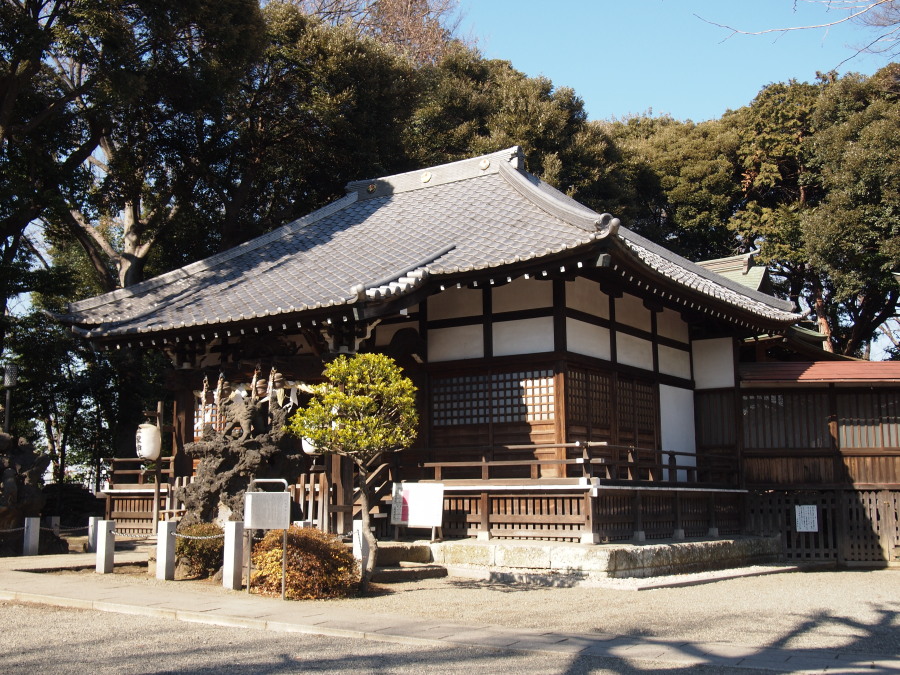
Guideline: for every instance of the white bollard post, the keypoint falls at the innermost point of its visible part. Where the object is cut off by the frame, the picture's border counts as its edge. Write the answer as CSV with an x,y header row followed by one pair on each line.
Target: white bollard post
x,y
165,550
92,534
53,524
32,542
106,546
360,545
232,568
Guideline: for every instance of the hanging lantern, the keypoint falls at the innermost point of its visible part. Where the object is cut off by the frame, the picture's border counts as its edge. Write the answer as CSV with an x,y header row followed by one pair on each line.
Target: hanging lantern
x,y
148,441
308,446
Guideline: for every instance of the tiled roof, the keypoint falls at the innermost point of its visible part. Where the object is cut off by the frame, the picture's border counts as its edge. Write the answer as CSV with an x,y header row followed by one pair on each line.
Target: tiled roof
x,y
708,283
385,238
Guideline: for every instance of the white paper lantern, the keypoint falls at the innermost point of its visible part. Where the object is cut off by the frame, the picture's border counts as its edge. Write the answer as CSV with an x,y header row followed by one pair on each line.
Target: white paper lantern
x,y
148,441
308,446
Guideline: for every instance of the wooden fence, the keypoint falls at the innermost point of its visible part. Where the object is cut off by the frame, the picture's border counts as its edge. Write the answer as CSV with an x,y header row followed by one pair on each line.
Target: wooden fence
x,y
600,514
854,527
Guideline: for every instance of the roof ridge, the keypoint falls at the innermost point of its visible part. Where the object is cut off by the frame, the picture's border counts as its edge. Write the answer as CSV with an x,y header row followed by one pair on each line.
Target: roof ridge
x,y
547,200
208,263
433,176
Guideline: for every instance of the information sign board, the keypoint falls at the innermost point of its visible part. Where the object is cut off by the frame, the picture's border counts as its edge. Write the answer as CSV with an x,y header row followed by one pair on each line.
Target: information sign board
x,y
807,518
267,510
418,504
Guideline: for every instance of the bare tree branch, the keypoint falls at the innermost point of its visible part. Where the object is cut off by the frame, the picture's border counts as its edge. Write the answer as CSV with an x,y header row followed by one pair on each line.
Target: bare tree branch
x,y
873,14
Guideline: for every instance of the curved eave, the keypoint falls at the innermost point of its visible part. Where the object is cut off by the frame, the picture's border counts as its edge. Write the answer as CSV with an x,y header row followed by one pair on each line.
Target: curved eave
x,y
696,291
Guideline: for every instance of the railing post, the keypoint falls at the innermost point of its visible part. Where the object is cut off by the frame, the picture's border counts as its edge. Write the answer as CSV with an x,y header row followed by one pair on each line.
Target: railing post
x,y
106,546
673,468
53,524
232,567
32,541
165,550
589,534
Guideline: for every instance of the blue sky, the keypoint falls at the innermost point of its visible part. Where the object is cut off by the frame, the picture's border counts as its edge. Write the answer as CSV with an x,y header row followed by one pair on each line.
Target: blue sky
x,y
631,56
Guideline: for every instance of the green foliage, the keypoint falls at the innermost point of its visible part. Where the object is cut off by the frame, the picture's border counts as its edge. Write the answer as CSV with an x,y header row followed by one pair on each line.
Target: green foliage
x,y
468,105
684,182
203,557
318,565
365,407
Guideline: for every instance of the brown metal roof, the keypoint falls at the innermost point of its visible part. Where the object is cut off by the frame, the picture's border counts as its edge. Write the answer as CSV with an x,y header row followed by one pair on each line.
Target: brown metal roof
x,y
786,372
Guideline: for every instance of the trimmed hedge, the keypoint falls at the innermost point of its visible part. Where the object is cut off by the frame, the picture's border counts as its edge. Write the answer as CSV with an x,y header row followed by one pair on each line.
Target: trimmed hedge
x,y
203,557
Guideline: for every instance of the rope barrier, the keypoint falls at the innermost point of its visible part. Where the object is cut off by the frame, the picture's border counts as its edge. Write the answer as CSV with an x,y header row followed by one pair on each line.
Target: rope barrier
x,y
13,529
178,535
127,534
73,530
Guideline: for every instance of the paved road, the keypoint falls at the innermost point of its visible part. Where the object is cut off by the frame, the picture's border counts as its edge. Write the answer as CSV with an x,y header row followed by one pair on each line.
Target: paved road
x,y
48,640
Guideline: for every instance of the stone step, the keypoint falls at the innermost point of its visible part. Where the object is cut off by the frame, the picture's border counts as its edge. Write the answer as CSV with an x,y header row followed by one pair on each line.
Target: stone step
x,y
407,571
392,553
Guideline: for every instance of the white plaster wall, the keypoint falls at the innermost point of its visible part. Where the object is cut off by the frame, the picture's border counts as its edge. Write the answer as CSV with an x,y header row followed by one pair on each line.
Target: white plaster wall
x,y
676,417
586,296
633,351
675,362
385,333
525,336
713,363
587,339
453,344
630,310
670,324
454,303
521,294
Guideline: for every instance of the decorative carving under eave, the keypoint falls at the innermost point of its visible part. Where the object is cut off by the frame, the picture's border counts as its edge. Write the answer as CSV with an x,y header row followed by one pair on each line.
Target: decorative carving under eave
x,y
346,336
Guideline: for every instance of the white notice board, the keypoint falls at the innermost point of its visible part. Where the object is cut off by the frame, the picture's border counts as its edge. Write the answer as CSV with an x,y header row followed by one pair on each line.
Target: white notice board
x,y
418,504
807,518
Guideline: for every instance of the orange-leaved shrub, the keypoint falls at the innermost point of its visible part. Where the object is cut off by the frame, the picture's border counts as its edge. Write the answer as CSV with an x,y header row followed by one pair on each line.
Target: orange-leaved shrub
x,y
318,565
203,557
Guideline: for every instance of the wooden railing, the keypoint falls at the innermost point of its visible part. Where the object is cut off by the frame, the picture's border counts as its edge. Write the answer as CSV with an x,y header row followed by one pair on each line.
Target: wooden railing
x,y
130,471
599,460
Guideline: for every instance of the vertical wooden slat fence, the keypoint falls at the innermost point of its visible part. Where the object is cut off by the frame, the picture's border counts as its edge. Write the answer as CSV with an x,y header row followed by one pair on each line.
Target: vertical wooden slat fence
x,y
855,527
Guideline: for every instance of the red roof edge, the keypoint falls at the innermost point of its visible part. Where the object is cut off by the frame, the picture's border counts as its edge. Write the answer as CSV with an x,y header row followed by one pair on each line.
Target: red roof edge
x,y
820,371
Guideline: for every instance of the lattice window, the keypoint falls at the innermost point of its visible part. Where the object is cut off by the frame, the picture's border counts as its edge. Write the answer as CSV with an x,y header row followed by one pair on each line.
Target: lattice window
x,y
600,387
578,402
589,398
461,400
501,398
523,396
637,409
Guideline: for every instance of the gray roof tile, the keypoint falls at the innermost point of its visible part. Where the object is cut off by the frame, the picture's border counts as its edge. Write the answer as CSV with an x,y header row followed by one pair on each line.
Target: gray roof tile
x,y
476,214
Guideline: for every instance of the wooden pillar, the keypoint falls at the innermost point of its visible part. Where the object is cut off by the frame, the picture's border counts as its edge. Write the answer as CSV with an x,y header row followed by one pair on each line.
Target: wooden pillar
x,y
484,530
713,527
678,532
589,534
639,534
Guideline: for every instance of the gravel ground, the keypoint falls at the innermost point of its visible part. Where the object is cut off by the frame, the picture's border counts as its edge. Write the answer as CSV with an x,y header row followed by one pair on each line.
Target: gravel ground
x,y
53,641
859,611
854,610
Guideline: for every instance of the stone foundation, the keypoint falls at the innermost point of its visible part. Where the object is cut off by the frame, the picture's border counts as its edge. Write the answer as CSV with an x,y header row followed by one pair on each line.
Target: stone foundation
x,y
512,560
